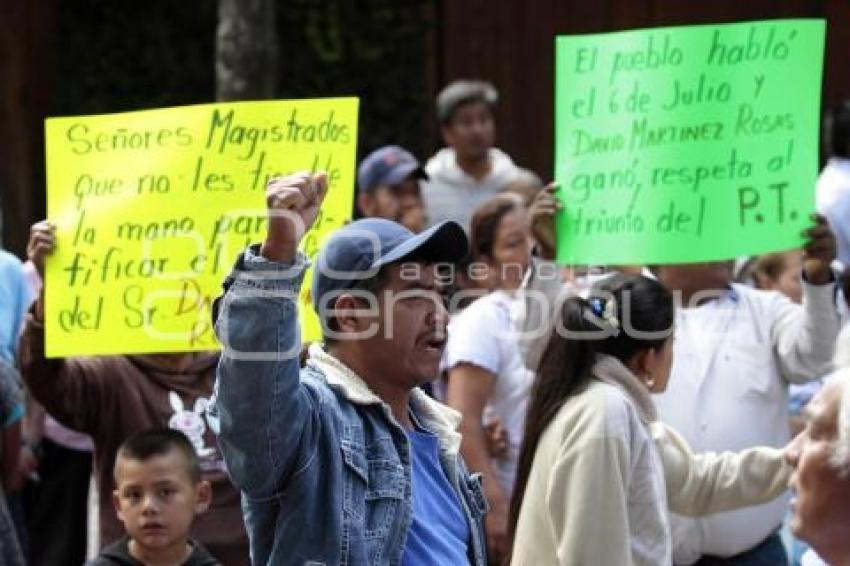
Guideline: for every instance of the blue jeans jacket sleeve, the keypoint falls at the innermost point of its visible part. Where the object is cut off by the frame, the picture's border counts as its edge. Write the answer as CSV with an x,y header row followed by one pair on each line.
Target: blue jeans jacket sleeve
x,y
263,410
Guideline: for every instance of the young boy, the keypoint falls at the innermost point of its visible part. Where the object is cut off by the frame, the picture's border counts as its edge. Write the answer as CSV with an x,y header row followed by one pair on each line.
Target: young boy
x,y
158,493
111,398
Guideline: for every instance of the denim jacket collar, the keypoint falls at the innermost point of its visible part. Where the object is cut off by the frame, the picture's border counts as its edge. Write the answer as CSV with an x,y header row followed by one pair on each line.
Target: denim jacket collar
x,y
436,417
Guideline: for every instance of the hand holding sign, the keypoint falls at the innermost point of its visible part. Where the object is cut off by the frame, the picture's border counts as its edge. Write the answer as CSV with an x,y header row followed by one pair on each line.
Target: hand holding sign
x,y
542,216
293,204
819,251
42,242
685,144
151,208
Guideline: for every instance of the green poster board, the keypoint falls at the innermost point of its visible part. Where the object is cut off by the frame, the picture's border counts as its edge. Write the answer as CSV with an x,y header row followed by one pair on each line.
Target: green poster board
x,y
686,144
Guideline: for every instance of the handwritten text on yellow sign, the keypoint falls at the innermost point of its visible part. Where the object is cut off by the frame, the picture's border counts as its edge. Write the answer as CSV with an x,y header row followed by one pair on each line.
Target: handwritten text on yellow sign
x,y
152,207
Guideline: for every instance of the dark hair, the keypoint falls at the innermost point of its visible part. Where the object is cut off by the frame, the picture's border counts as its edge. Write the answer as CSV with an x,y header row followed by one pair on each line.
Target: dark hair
x,y
157,442
462,92
836,131
565,366
485,223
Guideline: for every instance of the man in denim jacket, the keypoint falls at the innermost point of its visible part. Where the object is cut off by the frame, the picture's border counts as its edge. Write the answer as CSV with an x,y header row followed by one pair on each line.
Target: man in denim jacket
x,y
345,461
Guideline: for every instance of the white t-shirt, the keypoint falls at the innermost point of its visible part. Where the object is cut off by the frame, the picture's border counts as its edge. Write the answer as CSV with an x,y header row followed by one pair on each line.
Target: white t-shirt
x,y
484,335
452,194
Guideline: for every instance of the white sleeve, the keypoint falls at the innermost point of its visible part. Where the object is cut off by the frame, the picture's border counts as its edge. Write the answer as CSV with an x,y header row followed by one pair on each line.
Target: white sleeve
x,y
804,337
700,484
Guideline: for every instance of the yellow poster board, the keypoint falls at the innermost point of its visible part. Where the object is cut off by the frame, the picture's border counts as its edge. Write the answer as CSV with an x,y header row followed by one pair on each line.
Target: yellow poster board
x,y
152,208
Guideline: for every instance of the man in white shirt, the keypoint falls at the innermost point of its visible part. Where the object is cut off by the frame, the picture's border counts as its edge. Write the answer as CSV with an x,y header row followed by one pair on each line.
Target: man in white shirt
x,y
470,170
736,351
833,188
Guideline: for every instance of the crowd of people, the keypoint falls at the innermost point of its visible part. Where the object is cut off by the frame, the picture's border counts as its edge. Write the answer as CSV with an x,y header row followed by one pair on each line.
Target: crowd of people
x,y
470,402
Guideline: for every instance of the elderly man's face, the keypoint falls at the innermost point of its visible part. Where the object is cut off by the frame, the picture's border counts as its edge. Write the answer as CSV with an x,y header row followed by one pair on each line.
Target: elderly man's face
x,y
822,504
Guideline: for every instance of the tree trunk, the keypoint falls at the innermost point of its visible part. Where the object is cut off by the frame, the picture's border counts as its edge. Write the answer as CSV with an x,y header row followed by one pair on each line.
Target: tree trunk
x,y
246,50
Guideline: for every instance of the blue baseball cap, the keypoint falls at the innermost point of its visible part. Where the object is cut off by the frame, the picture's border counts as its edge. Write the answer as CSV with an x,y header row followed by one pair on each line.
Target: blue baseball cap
x,y
358,250
389,165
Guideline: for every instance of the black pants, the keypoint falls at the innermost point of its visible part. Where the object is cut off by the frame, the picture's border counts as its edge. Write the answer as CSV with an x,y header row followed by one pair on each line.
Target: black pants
x,y
57,507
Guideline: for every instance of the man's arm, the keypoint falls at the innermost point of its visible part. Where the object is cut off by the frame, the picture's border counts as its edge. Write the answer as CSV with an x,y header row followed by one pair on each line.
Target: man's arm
x,y
265,416
261,406
470,386
542,293
543,288
804,339
69,389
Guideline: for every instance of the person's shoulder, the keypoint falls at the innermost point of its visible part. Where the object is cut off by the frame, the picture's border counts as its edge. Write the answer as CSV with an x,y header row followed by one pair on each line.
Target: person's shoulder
x,y
439,162
485,306
9,257
476,317
744,290
321,393
764,301
116,554
505,300
200,556
832,191
763,297
600,409
501,159
10,264
598,415
836,169
109,367
618,408
313,377
484,320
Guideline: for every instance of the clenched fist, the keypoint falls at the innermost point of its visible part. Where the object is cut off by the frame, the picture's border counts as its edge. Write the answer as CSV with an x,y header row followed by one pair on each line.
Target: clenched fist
x,y
293,204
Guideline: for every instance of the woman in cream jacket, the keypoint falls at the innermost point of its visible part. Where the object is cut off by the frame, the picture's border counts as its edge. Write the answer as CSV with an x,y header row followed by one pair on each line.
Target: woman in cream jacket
x,y
597,471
